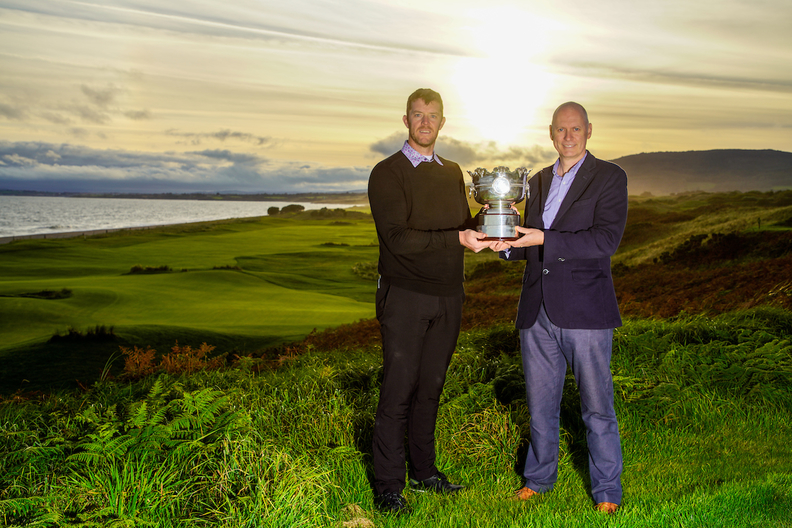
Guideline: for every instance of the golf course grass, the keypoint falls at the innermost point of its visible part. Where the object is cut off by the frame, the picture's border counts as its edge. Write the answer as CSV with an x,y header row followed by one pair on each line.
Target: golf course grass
x,y
278,432
244,284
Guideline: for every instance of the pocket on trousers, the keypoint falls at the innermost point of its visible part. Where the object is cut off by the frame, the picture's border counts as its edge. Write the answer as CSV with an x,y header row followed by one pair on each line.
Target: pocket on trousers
x,y
381,297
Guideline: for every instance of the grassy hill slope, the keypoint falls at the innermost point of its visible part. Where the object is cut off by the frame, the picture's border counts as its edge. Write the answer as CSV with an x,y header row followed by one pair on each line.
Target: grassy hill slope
x,y
702,403
281,436
248,285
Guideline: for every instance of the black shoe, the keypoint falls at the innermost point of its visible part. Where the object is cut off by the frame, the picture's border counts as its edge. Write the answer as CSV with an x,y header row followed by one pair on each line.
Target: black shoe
x,y
392,502
438,483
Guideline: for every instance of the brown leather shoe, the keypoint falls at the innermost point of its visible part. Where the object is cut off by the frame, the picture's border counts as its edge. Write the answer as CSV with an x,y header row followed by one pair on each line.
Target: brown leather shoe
x,y
524,494
607,507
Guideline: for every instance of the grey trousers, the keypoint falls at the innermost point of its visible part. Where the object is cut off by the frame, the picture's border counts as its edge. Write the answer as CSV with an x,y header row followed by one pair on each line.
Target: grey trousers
x,y
546,351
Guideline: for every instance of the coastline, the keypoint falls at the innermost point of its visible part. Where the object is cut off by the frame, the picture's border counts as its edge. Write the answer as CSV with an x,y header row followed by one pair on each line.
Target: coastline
x,y
350,197
95,232
74,221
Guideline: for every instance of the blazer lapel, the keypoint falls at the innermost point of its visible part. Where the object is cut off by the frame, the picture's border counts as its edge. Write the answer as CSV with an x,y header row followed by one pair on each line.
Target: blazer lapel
x,y
546,178
543,180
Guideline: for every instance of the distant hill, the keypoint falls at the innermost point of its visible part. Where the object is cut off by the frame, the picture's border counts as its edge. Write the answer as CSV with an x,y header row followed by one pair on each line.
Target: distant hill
x,y
663,173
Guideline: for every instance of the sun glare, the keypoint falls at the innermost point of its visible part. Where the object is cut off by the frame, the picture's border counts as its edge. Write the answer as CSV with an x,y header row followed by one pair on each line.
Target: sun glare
x,y
503,87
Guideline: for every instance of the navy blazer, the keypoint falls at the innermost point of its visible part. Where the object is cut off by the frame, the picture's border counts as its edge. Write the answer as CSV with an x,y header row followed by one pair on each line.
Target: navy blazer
x,y
571,272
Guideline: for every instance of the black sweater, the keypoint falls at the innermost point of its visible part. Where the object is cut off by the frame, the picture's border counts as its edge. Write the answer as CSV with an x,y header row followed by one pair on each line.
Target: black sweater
x,y
419,212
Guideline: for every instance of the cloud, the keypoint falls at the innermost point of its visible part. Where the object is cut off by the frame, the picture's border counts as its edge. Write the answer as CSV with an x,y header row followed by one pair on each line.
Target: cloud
x,y
96,106
466,153
138,115
20,161
70,168
57,119
11,111
222,135
96,110
89,114
102,97
233,157
78,132
695,79
389,145
301,22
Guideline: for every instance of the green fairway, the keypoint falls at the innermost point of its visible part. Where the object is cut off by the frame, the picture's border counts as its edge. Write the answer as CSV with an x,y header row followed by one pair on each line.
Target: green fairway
x,y
249,282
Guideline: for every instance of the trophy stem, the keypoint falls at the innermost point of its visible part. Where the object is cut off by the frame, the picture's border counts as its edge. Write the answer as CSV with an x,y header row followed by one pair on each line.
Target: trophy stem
x,y
498,222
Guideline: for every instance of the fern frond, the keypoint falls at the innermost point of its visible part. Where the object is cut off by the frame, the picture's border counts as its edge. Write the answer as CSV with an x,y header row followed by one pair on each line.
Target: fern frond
x,y
28,511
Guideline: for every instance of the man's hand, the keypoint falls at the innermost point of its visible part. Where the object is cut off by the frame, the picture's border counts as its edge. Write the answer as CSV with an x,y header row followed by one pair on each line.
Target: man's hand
x,y
473,240
530,237
499,245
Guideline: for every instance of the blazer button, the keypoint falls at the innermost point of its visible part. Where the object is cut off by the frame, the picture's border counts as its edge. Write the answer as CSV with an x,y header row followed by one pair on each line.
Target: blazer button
x,y
561,259
545,271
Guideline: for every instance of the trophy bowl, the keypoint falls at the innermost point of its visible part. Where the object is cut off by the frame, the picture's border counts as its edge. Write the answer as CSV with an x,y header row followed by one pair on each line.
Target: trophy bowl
x,y
498,190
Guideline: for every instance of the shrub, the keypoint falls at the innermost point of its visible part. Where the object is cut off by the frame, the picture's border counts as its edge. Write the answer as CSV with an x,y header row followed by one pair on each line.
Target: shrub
x,y
272,211
64,293
293,208
334,244
99,333
185,359
366,270
138,362
137,268
324,212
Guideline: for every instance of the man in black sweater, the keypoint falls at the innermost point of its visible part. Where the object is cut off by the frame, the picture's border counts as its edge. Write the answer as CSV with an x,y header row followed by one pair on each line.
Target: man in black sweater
x,y
423,221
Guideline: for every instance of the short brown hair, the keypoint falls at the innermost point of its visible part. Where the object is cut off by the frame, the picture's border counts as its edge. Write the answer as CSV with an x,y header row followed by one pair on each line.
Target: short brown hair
x,y
427,95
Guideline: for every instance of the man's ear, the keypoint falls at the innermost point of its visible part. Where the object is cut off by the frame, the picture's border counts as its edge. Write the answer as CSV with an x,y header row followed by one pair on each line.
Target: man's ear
x,y
406,121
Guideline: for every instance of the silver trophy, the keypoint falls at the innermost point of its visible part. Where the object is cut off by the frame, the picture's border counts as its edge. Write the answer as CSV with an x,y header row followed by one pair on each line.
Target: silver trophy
x,y
499,189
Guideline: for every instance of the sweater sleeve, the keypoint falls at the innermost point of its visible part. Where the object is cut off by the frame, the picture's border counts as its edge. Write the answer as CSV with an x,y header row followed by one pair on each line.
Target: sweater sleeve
x,y
390,208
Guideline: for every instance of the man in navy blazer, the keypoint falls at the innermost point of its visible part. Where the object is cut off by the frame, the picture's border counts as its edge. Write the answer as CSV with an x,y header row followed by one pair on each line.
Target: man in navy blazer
x,y
574,220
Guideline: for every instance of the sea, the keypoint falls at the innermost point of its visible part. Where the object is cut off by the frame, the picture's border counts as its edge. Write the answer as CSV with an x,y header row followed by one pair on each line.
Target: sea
x,y
24,216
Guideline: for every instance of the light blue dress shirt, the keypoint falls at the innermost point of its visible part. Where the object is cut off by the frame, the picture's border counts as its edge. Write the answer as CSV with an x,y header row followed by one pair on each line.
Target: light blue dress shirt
x,y
558,190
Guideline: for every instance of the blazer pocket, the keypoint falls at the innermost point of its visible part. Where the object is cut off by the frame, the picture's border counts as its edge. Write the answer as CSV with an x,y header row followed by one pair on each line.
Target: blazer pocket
x,y
587,275
581,203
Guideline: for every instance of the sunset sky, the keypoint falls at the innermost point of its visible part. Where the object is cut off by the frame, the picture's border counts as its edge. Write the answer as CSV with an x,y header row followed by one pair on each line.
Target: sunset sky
x,y
307,95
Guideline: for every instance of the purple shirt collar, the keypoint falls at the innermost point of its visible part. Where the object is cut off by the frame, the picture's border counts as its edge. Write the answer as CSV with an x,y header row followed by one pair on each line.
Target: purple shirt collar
x,y
416,158
571,172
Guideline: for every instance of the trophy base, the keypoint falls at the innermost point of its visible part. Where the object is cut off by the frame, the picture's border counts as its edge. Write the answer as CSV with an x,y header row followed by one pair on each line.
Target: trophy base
x,y
499,226
500,239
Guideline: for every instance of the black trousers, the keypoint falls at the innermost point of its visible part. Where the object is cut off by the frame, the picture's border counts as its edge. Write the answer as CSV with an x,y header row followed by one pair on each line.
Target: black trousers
x,y
419,335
